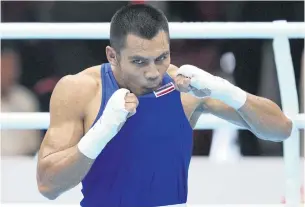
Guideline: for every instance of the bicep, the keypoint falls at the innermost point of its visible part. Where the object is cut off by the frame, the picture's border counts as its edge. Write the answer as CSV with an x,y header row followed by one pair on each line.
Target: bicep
x,y
66,121
61,136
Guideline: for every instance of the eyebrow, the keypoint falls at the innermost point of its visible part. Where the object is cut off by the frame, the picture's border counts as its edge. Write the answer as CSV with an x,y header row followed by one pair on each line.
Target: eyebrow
x,y
144,58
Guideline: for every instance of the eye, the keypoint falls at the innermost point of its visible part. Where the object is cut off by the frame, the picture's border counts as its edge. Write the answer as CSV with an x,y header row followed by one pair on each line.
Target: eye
x,y
161,58
138,62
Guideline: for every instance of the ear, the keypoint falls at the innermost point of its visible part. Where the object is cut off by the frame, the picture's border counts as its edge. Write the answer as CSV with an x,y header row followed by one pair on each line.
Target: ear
x,y
111,56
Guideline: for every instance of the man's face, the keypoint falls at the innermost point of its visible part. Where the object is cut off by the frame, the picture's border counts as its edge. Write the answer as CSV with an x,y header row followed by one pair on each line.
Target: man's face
x,y
143,62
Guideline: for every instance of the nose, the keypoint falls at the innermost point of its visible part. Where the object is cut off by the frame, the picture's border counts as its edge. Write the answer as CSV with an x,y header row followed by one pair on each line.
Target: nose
x,y
152,74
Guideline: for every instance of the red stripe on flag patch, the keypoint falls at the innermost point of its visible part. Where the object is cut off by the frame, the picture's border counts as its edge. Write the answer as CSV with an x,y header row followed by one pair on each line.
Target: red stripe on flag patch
x,y
167,88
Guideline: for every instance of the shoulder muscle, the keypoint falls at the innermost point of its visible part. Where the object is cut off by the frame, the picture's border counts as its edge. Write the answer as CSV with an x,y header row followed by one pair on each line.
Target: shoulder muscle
x,y
67,106
71,94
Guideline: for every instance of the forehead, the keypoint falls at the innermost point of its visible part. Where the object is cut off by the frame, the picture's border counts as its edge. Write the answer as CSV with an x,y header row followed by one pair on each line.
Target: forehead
x,y
138,46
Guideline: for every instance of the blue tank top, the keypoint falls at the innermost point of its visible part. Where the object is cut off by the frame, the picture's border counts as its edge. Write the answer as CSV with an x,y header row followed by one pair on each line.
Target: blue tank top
x,y
146,164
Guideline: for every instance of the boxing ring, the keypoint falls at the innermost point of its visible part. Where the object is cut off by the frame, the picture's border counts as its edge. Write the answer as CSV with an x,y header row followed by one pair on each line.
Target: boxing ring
x,y
279,31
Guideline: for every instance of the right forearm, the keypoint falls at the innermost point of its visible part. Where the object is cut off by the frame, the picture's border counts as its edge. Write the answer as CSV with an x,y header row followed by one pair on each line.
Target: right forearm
x,y
63,170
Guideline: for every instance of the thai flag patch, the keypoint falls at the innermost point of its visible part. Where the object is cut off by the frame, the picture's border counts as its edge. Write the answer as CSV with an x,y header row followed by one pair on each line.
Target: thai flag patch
x,y
167,88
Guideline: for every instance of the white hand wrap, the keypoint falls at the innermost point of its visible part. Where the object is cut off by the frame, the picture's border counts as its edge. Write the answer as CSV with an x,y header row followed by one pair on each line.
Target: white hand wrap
x,y
108,125
213,86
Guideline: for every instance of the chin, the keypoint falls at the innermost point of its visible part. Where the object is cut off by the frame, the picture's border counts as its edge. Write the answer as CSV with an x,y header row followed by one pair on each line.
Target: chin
x,y
154,87
150,89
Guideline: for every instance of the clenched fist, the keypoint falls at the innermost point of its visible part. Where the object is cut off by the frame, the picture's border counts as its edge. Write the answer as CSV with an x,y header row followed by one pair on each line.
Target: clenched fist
x,y
200,83
183,84
131,103
120,106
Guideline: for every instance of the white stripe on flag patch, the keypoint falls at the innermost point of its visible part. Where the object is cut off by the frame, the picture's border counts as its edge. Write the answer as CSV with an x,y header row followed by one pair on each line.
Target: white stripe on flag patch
x,y
167,88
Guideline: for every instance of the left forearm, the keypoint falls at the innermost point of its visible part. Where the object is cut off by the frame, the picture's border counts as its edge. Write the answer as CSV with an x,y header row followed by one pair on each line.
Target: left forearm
x,y
260,115
265,119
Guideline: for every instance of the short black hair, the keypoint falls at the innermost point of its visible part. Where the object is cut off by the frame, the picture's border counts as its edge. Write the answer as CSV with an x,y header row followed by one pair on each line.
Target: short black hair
x,y
141,20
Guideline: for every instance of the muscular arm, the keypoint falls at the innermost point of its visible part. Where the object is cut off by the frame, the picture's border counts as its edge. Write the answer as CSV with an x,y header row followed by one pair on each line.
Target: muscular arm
x,y
60,164
260,115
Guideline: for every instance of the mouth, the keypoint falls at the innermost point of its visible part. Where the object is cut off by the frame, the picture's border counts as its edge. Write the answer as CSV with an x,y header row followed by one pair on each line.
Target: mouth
x,y
154,85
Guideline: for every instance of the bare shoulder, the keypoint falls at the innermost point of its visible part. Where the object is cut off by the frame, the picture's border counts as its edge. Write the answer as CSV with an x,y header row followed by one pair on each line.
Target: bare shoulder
x,y
80,84
68,104
93,73
75,90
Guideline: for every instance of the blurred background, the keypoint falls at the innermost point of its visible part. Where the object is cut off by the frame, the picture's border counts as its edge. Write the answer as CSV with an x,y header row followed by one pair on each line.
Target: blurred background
x,y
30,69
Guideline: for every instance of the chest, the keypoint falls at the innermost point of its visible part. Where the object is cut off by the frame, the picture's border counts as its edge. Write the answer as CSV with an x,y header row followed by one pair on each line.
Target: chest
x,y
188,102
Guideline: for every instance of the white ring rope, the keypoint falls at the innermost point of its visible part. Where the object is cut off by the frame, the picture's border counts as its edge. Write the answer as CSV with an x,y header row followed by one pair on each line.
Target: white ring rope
x,y
42,120
185,30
